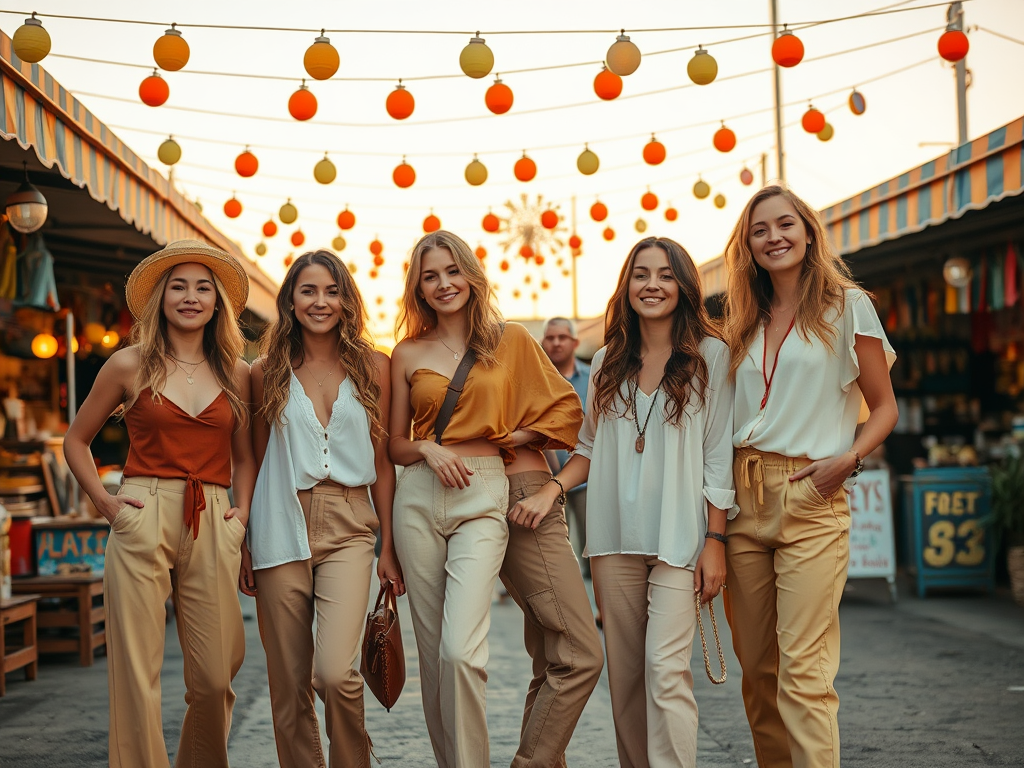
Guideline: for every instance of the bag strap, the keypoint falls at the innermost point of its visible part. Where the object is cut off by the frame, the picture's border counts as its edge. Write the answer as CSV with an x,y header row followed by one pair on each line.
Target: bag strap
x,y
444,415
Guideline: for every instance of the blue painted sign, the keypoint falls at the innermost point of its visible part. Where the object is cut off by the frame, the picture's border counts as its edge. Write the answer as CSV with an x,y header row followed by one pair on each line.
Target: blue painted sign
x,y
64,550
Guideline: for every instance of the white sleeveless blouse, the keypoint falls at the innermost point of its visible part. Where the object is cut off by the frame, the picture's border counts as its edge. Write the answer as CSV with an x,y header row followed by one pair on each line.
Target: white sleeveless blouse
x,y
300,454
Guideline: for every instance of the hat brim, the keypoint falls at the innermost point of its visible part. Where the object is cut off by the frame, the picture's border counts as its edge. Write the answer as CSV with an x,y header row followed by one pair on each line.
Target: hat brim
x,y
150,270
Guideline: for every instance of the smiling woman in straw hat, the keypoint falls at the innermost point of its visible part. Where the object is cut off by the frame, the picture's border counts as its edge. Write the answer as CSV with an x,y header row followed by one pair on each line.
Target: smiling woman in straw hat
x,y
186,391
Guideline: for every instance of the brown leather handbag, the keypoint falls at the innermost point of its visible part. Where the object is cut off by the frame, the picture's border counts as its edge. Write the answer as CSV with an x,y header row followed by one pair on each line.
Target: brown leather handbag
x,y
383,662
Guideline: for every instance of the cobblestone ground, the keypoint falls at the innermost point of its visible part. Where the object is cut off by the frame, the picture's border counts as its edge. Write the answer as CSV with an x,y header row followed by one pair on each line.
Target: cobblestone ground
x,y
936,683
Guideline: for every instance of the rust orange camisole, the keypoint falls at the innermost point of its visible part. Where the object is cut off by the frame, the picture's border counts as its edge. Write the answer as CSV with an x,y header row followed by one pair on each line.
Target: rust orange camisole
x,y
168,443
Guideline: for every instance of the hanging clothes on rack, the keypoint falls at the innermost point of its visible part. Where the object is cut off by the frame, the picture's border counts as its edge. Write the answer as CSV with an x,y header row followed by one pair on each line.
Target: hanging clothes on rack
x,y
37,286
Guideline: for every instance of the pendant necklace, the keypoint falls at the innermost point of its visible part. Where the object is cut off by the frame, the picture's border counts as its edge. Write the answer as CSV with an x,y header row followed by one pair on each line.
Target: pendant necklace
x,y
641,432
325,378
438,336
188,374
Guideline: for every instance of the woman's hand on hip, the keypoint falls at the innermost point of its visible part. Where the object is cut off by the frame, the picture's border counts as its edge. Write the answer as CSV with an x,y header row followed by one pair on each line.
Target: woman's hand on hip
x,y
709,573
110,506
246,575
827,474
446,464
389,569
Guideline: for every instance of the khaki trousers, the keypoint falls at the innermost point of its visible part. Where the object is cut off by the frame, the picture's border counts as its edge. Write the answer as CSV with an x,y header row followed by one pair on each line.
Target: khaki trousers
x,y
787,555
576,508
335,584
451,542
647,607
541,574
151,553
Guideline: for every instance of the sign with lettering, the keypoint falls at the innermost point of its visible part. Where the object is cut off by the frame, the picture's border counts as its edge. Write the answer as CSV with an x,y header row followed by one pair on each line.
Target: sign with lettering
x,y
68,550
872,547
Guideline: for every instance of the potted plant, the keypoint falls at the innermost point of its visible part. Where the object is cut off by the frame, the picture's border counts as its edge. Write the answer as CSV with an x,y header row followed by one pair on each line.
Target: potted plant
x,y
1007,519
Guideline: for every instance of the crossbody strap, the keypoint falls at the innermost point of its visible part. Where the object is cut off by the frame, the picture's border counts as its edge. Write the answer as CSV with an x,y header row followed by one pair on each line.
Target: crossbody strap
x,y
444,415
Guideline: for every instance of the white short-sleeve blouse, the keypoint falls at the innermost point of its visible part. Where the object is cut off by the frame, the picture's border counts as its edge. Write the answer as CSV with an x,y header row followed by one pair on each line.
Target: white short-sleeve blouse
x,y
655,503
814,401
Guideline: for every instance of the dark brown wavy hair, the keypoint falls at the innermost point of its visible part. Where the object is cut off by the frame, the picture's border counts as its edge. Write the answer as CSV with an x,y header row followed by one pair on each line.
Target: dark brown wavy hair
x,y
823,281
281,343
686,368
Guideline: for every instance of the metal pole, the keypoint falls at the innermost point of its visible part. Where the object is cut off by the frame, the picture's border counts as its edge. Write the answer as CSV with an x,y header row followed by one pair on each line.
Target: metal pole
x,y
764,169
955,17
777,74
72,395
575,297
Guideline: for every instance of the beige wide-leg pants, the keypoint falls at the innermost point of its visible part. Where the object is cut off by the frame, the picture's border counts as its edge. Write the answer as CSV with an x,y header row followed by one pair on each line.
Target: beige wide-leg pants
x,y
451,542
787,555
335,584
647,607
151,552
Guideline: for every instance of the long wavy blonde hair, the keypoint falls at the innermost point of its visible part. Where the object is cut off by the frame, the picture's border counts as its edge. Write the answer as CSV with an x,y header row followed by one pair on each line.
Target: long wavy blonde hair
x,y
223,345
281,343
823,282
417,319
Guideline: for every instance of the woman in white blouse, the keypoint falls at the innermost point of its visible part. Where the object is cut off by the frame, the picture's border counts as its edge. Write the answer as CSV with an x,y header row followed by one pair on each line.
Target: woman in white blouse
x,y
321,393
806,344
656,446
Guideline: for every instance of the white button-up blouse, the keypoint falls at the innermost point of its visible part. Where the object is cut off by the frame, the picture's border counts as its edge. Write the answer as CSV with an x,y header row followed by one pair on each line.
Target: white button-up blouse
x,y
655,503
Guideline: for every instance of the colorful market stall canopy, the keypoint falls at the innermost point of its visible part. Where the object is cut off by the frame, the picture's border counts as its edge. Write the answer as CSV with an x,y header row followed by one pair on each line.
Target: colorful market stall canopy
x,y
39,114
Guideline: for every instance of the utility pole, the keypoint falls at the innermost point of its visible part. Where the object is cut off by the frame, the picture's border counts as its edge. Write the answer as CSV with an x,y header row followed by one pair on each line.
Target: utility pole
x,y
572,256
777,74
764,169
955,19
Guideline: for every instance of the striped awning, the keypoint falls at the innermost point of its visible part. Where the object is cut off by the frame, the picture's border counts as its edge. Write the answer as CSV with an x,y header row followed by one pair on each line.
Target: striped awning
x,y
40,115
969,178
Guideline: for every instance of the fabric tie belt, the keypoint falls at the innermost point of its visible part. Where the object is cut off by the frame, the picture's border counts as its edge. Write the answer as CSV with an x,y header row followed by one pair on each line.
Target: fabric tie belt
x,y
753,464
195,502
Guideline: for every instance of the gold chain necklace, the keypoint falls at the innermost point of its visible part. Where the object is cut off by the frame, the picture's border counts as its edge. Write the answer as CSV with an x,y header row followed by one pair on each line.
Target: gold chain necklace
x,y
438,337
188,374
325,378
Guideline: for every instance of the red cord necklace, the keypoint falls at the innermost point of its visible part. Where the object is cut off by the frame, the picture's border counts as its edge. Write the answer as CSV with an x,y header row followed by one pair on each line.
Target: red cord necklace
x,y
764,361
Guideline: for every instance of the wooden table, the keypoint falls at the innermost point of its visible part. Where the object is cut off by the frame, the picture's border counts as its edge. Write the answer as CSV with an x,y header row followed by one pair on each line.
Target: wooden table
x,y
20,608
88,618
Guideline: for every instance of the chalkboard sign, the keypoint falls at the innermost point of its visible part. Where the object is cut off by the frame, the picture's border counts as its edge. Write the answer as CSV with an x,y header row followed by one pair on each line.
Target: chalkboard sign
x,y
872,546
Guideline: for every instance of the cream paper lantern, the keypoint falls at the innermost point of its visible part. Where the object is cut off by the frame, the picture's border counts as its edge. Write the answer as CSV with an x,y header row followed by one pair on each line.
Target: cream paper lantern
x,y
702,68
476,172
476,58
324,171
31,42
288,213
623,57
339,243
169,152
588,162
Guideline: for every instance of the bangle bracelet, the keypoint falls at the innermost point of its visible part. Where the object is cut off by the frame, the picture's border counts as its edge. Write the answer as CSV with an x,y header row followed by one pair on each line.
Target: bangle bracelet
x,y
716,536
561,491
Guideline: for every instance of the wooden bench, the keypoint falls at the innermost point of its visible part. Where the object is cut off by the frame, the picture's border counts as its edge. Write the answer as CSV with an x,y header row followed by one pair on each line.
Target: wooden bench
x,y
88,618
20,608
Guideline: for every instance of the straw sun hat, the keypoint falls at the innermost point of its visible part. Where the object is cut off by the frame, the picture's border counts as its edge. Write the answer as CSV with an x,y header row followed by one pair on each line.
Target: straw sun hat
x,y
147,274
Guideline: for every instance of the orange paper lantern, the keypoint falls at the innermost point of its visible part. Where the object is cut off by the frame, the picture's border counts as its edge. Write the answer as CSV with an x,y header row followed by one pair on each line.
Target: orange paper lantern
x,y
246,164
649,201
298,238
233,208
538,260
373,274
400,102
654,152
269,228
498,97
787,49
481,252
526,252
491,223
431,224
549,219
575,242
724,139
953,45
607,85
346,219
170,51
608,234
504,265
525,169
404,176
598,211
376,248
302,103
813,121
671,214
154,90
288,260
378,260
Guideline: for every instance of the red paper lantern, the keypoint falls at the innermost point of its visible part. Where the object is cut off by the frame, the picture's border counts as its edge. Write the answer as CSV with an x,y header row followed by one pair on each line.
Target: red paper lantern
x,y
504,265
346,219
607,85
575,242
608,234
233,208
376,248
526,252
302,103
671,214
787,49
246,164
549,219
400,102
813,121
953,45
298,238
538,260
431,224
649,201
724,139
525,169
154,90
498,97
269,229
491,223
481,252
746,177
378,260
404,175
654,152
598,211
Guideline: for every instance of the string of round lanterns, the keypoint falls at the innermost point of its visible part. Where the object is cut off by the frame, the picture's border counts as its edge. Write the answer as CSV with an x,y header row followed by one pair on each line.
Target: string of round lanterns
x,y
153,90
588,162
169,151
599,211
288,213
490,223
321,59
826,133
787,49
269,228
404,175
498,97
171,51
623,57
302,104
261,249
298,238
476,172
813,120
649,201
525,169
608,234
654,152
719,200
575,241
233,208
400,103
325,171
338,243
476,59
607,84
246,164
702,69
346,219
31,41
671,214
701,189
549,219
480,252
431,223
724,139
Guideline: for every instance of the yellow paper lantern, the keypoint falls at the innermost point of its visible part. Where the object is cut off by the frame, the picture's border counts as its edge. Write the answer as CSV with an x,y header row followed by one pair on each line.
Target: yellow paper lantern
x,y
171,52
588,162
623,57
339,243
702,68
476,59
261,249
476,172
44,345
31,42
288,213
826,133
324,171
701,189
641,226
110,339
321,60
94,332
169,152
719,200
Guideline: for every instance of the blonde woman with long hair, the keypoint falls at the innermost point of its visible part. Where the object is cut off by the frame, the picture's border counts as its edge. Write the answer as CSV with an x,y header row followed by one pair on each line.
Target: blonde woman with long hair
x,y
452,498
185,391
806,345
321,393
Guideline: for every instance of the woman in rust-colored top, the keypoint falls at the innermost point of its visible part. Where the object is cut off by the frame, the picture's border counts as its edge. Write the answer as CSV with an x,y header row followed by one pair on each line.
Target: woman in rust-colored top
x,y
185,389
452,499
